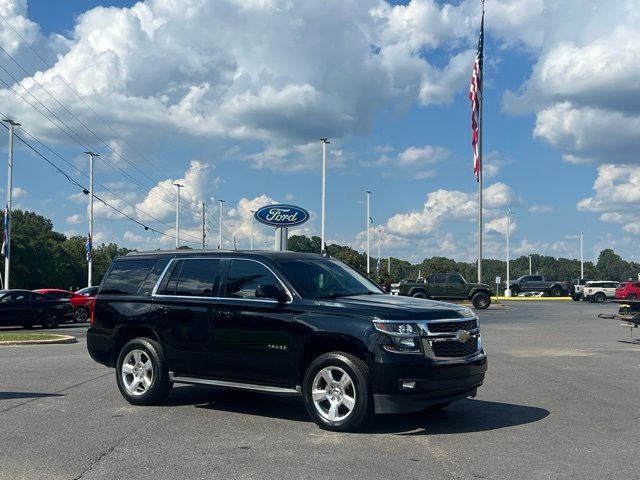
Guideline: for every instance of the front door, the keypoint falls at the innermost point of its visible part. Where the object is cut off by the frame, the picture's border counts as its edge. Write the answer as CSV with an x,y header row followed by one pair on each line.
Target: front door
x,y
253,338
456,287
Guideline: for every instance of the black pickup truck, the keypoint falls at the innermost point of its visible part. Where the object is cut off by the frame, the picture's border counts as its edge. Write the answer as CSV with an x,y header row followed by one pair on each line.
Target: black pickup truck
x,y
538,283
448,286
281,323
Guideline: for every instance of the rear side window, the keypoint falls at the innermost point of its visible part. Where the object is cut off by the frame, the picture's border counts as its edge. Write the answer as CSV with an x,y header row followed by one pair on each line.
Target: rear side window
x,y
245,276
197,277
439,278
127,276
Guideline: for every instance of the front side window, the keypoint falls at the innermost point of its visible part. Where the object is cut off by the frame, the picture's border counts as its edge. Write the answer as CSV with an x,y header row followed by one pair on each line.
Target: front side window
x,y
245,276
127,276
326,278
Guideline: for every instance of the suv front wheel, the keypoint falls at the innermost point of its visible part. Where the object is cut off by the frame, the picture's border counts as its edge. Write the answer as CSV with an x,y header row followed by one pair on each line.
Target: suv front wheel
x,y
141,372
336,392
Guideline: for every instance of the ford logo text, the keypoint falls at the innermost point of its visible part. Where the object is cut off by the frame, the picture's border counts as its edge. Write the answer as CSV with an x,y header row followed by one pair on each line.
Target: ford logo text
x,y
282,215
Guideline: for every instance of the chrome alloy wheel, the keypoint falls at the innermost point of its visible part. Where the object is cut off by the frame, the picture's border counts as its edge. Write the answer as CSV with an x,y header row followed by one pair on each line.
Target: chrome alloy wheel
x,y
80,315
333,393
137,372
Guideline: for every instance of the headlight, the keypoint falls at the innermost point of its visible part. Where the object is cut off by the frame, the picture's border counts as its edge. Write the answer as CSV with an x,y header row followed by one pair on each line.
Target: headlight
x,y
467,313
408,329
403,336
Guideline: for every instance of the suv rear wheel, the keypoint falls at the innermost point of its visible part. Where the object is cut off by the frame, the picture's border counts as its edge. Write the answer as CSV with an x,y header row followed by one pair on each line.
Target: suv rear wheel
x,y
556,291
141,372
632,296
336,392
419,295
599,297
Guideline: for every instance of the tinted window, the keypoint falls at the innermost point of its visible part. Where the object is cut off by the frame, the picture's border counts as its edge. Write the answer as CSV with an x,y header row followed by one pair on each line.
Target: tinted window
x,y
245,276
152,278
455,279
194,277
126,276
439,278
637,285
536,278
20,296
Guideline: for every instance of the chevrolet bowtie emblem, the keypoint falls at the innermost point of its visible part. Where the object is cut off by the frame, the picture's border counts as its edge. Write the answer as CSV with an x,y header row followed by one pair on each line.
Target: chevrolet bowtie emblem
x,y
463,336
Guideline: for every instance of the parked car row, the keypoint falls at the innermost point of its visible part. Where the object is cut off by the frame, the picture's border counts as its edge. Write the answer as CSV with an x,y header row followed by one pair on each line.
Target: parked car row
x,y
46,307
599,291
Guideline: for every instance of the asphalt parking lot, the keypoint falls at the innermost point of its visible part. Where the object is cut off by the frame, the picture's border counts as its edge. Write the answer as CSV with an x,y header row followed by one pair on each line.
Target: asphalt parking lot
x,y
561,400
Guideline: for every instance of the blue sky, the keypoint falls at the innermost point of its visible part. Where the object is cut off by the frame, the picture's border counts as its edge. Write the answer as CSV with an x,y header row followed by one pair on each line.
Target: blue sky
x,y
231,101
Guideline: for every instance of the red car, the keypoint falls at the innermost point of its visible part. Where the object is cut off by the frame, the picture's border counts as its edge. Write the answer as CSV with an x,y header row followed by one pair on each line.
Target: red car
x,y
82,304
628,290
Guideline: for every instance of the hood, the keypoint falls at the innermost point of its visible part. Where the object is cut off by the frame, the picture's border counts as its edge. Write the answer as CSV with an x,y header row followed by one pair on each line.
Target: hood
x,y
481,285
392,306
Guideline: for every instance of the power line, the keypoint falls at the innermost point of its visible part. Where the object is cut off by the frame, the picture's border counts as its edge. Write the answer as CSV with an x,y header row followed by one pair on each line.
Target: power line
x,y
97,197
86,103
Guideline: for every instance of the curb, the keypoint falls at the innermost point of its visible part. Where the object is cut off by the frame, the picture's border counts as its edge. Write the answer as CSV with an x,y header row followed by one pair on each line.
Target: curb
x,y
64,339
532,299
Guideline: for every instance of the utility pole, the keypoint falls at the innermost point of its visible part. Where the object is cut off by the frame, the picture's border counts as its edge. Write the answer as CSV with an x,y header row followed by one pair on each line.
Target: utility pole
x,y
378,265
507,292
204,235
178,186
6,246
325,142
92,155
581,255
389,266
368,229
220,202
252,215
529,264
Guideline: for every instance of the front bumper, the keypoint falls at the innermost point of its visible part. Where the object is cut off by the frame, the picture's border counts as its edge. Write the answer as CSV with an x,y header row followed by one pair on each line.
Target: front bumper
x,y
433,383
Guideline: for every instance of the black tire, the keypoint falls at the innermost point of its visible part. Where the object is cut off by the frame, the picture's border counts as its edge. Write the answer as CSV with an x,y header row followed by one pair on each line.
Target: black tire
x,y
437,407
28,326
514,291
419,295
159,384
359,388
599,297
481,301
591,300
632,296
80,315
576,297
555,291
51,319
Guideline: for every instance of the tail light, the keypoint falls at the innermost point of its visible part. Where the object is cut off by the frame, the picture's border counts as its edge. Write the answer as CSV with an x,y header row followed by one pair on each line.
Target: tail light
x,y
92,311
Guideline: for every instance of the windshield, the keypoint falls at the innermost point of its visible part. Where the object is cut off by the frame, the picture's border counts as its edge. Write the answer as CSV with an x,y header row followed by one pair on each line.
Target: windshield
x,y
327,278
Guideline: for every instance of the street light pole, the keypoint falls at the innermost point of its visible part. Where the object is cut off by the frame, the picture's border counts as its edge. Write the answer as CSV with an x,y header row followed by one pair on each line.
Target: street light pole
x,y
529,264
379,263
507,292
92,155
581,255
325,142
251,244
204,235
6,246
220,202
178,186
368,229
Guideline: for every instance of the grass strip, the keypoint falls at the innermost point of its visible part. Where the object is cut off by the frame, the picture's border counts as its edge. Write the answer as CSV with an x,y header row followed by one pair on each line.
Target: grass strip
x,y
20,337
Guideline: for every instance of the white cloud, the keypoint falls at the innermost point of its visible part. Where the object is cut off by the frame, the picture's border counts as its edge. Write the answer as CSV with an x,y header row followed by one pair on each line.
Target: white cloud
x,y
499,225
74,219
18,192
15,14
540,209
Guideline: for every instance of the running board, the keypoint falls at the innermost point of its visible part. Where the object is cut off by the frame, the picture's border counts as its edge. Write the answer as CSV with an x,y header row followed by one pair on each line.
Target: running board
x,y
234,385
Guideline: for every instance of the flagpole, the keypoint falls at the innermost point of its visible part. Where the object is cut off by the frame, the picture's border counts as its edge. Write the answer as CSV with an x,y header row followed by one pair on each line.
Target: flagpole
x,y
480,159
6,250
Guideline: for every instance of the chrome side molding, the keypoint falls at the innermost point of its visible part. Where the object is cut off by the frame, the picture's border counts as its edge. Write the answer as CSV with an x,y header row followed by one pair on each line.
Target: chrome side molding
x,y
234,385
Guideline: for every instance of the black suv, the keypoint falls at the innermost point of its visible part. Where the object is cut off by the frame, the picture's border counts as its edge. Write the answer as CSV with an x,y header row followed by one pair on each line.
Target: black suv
x,y
284,323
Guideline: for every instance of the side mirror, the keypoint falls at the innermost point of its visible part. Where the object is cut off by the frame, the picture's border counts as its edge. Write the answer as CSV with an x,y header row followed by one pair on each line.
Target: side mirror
x,y
271,291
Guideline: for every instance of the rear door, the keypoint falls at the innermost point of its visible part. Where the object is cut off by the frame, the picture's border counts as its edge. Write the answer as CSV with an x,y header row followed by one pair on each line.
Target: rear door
x,y
456,287
253,335
184,309
437,285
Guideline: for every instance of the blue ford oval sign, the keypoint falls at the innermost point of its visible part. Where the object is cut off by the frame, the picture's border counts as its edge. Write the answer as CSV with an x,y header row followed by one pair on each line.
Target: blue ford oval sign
x,y
282,215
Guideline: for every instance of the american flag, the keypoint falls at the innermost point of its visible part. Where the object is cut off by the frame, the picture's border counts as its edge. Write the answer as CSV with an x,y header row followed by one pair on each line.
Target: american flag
x,y
475,93
5,245
88,247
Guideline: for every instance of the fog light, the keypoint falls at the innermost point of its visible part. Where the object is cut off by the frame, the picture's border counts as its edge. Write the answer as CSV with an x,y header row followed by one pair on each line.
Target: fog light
x,y
408,384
